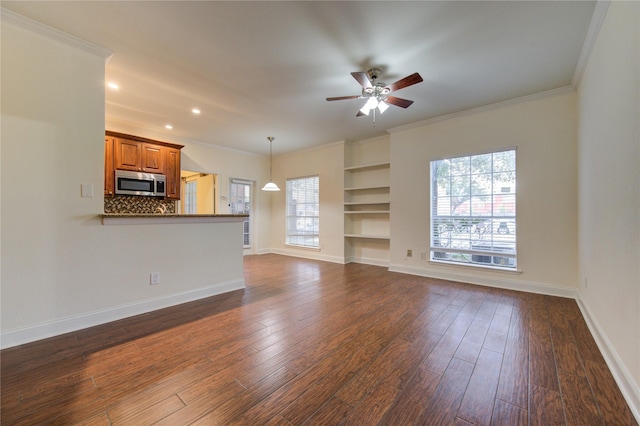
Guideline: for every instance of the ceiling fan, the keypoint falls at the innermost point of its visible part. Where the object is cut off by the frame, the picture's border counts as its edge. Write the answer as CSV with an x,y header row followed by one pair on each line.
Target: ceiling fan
x,y
377,93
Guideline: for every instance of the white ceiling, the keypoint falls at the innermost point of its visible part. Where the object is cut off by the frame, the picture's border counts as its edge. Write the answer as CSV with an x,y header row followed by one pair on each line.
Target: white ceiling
x,y
265,68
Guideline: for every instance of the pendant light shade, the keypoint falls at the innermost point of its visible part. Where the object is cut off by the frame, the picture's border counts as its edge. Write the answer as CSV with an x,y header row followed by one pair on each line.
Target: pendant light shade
x,y
270,186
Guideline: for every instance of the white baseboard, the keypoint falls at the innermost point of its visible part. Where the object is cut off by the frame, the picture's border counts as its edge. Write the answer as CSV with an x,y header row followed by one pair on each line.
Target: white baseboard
x,y
308,254
57,327
629,388
316,255
369,261
263,251
499,282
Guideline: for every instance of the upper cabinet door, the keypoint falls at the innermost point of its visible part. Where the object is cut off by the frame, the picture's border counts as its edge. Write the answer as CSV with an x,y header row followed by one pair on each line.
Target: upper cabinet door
x,y
128,155
139,157
152,158
173,173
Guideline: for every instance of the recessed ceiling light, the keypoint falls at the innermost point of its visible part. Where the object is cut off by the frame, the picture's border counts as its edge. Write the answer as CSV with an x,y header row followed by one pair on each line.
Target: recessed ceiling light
x,y
195,110
113,86
168,126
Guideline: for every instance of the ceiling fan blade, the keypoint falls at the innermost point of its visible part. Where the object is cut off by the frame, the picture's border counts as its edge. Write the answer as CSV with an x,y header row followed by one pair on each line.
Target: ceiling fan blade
x,y
341,98
402,103
362,78
360,114
404,82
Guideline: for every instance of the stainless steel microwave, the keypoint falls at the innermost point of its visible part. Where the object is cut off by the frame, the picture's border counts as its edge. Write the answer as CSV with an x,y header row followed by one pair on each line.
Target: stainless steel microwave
x,y
145,184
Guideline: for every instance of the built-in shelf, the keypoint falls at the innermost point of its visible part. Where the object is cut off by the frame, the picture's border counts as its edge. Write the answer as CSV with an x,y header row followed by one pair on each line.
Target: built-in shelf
x,y
368,236
380,165
365,188
365,203
367,200
367,212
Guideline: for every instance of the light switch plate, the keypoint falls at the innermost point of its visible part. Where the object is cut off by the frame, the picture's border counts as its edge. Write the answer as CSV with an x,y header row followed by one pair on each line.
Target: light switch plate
x,y
87,190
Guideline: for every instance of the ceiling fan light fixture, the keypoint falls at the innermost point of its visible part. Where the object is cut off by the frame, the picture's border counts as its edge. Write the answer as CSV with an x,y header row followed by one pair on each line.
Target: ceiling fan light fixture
x,y
270,186
377,92
370,105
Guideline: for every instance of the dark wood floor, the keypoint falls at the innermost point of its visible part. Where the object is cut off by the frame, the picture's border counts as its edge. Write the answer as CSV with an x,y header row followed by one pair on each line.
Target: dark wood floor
x,y
322,344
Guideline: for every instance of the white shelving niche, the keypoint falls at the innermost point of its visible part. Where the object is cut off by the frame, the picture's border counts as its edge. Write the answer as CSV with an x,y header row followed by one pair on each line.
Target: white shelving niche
x,y
367,205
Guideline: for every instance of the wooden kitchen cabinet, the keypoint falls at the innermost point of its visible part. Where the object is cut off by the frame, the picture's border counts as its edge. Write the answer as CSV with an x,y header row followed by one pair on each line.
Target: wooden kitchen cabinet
x,y
152,158
138,154
127,155
109,169
172,171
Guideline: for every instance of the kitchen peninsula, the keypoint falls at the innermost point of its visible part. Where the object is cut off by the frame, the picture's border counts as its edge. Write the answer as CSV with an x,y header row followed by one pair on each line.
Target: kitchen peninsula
x,y
142,219
168,258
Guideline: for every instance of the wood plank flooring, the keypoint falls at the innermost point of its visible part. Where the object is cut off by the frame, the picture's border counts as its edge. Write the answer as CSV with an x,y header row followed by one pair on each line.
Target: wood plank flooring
x,y
314,343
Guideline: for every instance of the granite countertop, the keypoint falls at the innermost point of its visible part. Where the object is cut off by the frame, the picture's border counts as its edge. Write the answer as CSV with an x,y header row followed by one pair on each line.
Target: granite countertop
x,y
170,215
149,218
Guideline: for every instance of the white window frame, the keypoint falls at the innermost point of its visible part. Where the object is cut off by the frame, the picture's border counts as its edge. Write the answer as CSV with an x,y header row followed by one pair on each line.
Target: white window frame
x,y
247,207
473,210
302,225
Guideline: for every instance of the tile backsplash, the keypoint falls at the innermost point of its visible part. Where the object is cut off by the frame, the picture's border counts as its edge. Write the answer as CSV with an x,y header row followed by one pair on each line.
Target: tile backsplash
x,y
125,204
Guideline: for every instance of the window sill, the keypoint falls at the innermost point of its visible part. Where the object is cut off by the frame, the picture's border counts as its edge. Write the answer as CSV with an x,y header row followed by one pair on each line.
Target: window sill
x,y
302,247
476,266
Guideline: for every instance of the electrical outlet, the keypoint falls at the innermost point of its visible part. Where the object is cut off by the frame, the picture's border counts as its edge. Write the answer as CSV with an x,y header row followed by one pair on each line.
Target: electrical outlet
x,y
155,278
409,253
423,256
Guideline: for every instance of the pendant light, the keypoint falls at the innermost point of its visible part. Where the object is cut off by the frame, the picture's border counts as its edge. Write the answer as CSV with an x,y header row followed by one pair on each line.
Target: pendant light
x,y
270,186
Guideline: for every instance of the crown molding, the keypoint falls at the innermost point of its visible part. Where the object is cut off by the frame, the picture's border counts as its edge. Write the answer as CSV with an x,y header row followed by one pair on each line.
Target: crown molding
x,y
590,39
309,149
8,16
496,105
597,19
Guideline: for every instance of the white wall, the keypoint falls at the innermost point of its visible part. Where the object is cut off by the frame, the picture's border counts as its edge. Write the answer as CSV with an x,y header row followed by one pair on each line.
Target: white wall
x,y
609,193
328,162
61,268
544,132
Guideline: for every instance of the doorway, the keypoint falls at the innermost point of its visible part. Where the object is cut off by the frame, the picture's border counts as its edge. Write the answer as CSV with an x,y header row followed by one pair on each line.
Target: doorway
x,y
199,192
240,202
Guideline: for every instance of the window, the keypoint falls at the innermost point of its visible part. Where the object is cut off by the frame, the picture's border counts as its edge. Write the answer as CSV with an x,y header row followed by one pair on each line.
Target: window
x,y
303,207
190,196
240,203
473,209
